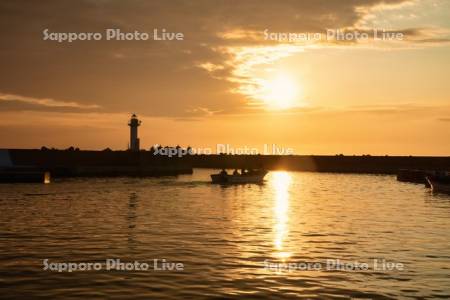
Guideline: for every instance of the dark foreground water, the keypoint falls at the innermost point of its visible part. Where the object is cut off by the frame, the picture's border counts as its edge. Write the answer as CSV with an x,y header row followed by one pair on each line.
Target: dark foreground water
x,y
305,235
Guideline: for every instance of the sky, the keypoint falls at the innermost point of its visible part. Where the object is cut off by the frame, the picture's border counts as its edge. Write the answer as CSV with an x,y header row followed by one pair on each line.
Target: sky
x,y
233,79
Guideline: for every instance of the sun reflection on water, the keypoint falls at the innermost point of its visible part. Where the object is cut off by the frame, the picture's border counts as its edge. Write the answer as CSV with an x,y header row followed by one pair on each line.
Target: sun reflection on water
x,y
281,182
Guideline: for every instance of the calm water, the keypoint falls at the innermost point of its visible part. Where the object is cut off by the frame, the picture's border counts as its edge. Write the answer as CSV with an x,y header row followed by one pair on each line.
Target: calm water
x,y
226,237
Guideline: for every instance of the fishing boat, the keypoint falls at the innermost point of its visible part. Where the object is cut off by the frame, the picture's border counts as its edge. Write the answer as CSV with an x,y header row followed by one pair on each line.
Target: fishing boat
x,y
439,184
252,176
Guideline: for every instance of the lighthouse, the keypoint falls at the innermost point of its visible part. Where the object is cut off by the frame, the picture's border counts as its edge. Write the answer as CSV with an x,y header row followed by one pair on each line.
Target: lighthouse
x,y
134,140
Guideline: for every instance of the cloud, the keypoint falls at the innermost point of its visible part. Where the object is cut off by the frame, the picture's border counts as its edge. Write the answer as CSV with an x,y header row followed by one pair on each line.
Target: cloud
x,y
409,110
212,68
9,102
201,112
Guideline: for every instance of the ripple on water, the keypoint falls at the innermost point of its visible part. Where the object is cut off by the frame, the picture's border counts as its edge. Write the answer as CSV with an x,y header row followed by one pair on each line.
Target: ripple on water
x,y
225,236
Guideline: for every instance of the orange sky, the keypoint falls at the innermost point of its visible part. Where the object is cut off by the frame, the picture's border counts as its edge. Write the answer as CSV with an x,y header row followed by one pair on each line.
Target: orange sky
x,y
225,83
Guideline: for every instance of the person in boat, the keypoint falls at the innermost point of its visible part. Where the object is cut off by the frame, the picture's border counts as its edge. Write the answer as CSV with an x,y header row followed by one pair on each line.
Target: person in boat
x,y
235,172
223,173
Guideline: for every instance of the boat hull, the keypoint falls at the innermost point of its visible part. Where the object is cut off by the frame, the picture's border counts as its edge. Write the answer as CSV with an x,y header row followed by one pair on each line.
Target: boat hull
x,y
439,186
238,179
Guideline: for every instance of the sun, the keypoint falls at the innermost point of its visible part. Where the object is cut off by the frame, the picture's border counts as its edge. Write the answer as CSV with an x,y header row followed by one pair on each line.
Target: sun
x,y
280,92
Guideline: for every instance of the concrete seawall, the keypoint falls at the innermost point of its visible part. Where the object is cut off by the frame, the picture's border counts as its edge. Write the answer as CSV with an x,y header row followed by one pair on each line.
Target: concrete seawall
x,y
342,164
144,163
63,163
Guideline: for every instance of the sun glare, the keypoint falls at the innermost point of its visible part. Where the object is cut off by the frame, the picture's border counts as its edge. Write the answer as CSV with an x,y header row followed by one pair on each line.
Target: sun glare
x,y
280,92
281,182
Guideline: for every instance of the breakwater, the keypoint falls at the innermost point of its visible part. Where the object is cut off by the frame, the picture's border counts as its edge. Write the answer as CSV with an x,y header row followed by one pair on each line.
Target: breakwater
x,y
319,163
65,163
145,163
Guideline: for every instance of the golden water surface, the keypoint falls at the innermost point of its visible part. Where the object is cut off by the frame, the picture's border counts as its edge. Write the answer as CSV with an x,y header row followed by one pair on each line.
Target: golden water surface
x,y
228,238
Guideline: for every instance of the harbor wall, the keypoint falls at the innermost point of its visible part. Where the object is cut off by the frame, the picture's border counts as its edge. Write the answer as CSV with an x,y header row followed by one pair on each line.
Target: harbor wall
x,y
144,163
318,163
98,163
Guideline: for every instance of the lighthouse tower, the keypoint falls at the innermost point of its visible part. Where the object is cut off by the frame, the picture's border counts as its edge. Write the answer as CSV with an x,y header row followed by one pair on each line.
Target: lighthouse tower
x,y
134,140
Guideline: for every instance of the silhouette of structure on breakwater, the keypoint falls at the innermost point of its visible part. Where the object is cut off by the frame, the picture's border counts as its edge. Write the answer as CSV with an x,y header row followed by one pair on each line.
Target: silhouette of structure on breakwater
x,y
134,123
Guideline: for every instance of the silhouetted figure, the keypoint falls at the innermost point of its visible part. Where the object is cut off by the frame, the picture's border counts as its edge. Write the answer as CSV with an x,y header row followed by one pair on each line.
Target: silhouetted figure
x,y
235,172
223,172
